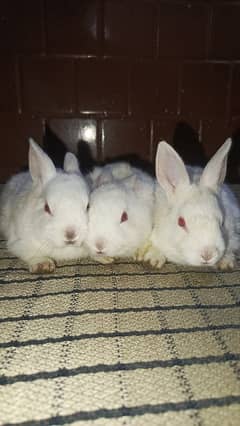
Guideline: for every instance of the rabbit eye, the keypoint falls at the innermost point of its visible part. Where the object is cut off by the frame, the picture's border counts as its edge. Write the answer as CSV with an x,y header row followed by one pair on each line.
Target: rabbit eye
x,y
88,205
124,217
181,222
47,208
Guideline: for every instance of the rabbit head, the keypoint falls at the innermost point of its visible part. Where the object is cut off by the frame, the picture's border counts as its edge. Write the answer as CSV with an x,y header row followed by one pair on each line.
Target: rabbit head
x,y
61,199
120,217
189,215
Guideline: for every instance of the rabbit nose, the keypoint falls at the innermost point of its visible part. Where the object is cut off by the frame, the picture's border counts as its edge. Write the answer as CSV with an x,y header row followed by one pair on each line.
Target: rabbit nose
x,y
207,254
99,246
70,235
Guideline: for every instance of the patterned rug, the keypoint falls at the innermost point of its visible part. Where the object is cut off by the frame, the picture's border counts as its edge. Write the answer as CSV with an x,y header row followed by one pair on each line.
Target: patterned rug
x,y
120,344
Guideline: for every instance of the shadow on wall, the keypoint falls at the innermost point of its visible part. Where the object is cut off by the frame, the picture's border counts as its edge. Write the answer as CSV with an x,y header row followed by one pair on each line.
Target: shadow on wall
x,y
233,173
56,149
185,142
54,146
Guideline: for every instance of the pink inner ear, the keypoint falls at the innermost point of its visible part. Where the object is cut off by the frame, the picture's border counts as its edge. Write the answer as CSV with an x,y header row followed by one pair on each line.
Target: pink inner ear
x,y
124,217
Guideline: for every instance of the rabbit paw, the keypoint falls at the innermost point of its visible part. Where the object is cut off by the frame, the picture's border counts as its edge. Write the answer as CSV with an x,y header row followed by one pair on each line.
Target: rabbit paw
x,y
155,258
227,262
104,260
142,251
42,266
148,253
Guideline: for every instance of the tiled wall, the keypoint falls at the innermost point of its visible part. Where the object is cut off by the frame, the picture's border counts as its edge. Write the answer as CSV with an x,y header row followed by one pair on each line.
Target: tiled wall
x,y
121,74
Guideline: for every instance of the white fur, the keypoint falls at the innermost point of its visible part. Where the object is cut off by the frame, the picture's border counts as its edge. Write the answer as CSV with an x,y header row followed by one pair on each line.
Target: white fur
x,y
108,237
34,235
109,172
211,212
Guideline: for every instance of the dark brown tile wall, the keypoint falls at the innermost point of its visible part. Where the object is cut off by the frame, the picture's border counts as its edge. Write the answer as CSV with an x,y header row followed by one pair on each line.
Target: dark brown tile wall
x,y
102,86
47,85
125,136
71,26
184,25
204,90
8,93
154,88
225,35
130,28
120,74
15,131
21,26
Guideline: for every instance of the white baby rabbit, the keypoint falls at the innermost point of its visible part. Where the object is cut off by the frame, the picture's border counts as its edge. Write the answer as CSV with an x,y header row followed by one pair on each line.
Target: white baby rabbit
x,y
120,216
43,212
196,223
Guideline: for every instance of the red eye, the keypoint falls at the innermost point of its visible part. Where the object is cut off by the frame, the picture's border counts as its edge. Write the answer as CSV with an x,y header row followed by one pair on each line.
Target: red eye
x,y
181,222
47,208
124,217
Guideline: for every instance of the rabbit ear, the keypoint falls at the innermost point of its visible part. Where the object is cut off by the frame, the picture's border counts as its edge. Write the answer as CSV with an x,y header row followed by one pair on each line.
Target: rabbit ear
x,y
41,166
102,175
132,182
170,169
70,164
215,171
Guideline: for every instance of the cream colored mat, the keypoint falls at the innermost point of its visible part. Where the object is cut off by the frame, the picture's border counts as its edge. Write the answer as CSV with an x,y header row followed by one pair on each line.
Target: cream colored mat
x,y
119,345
